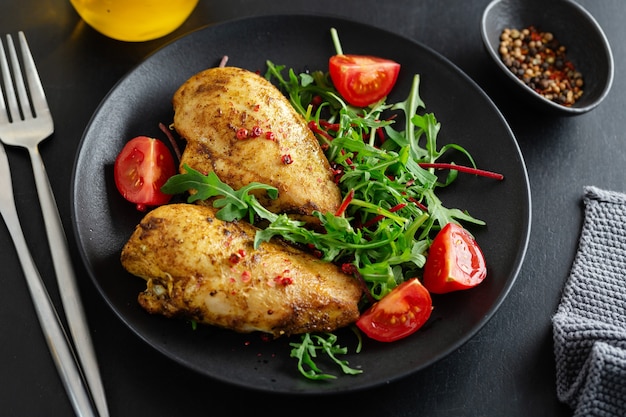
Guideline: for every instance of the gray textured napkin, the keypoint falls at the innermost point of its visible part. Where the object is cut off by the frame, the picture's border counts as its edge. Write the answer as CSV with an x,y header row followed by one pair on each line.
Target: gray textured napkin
x,y
589,326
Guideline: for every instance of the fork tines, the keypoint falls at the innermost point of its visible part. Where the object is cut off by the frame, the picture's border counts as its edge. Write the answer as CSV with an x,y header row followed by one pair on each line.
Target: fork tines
x,y
29,100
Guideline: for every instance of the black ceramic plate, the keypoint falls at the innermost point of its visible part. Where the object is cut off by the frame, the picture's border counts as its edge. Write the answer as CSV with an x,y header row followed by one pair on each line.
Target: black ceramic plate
x,y
103,220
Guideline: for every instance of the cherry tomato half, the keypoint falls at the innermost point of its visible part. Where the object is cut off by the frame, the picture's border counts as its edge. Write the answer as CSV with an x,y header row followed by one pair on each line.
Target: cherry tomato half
x,y
363,80
455,261
400,313
141,169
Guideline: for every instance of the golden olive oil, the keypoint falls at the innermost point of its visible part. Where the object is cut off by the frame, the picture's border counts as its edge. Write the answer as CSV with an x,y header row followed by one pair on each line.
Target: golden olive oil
x,y
134,20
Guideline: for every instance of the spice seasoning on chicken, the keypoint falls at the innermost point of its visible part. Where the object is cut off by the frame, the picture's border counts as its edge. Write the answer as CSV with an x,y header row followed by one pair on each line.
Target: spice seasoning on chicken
x,y
283,279
540,61
246,276
242,133
256,132
237,256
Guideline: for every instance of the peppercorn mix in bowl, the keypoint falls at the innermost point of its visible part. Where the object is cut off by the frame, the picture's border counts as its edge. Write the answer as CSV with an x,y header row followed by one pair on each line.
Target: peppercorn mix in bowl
x,y
555,53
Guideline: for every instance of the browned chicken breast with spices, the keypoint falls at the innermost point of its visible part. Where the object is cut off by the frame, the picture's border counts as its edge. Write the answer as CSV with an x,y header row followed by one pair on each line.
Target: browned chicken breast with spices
x,y
239,125
201,268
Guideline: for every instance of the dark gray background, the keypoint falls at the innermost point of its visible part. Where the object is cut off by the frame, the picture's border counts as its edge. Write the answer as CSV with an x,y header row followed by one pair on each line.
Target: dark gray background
x,y
506,370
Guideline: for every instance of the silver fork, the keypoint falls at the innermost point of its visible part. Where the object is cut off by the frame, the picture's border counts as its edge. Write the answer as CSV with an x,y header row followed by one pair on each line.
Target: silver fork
x,y
55,336
26,121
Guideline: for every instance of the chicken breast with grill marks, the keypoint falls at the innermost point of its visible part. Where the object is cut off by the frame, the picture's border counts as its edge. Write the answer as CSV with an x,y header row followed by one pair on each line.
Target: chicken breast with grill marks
x,y
199,267
239,125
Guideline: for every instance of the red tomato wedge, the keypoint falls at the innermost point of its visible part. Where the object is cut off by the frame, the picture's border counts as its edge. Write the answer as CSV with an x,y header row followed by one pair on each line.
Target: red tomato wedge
x,y
363,80
455,261
141,169
400,313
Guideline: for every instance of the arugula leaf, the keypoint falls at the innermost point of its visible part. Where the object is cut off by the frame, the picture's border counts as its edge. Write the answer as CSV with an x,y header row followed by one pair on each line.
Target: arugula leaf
x,y
306,351
234,205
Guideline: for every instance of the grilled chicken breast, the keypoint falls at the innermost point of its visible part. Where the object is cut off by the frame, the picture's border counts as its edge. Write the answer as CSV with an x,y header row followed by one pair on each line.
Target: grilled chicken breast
x,y
237,124
199,267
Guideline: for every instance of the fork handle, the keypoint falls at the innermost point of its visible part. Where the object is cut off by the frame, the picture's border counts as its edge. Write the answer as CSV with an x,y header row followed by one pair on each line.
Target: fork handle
x,y
55,336
66,279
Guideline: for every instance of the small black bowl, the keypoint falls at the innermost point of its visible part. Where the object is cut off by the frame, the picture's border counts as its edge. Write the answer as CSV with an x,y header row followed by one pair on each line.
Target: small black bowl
x,y
573,27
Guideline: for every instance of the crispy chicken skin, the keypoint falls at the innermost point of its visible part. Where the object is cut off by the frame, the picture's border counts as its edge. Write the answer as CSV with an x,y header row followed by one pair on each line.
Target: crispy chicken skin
x,y
199,267
239,125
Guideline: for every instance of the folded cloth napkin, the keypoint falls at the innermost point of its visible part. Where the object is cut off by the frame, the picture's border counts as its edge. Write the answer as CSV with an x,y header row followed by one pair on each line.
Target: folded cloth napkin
x,y
589,326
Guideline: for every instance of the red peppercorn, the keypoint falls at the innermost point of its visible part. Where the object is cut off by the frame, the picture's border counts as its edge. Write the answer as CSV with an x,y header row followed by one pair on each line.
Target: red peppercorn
x,y
283,280
242,133
237,256
349,269
245,276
